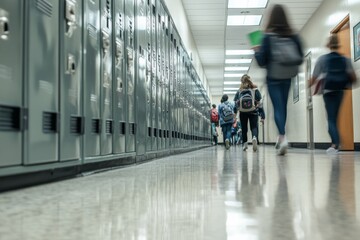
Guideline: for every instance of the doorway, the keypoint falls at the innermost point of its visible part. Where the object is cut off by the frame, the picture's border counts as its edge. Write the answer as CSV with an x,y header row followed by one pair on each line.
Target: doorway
x,y
345,120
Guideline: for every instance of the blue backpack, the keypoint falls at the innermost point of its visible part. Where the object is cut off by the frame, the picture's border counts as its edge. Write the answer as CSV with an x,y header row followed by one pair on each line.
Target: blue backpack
x,y
227,113
336,77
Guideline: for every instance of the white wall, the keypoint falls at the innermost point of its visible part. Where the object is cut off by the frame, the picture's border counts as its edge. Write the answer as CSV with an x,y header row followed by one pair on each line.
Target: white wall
x,y
178,15
314,36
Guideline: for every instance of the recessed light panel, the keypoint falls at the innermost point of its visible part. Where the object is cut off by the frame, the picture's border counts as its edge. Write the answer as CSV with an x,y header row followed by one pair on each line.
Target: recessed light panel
x,y
229,92
231,89
233,74
234,61
247,3
231,83
244,20
236,68
239,52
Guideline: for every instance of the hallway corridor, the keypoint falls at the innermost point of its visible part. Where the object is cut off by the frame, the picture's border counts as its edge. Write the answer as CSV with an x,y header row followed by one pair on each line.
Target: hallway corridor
x,y
207,194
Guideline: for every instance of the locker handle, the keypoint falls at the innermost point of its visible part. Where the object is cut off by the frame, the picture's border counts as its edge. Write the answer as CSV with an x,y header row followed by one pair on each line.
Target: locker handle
x,y
4,28
70,17
71,65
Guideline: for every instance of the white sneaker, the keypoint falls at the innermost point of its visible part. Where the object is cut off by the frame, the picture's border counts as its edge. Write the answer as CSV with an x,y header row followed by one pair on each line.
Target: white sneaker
x,y
283,146
254,143
277,144
245,146
227,144
332,150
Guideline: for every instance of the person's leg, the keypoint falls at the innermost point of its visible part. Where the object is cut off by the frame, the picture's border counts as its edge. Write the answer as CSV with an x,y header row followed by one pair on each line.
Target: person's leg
x,y
244,126
279,93
332,105
254,125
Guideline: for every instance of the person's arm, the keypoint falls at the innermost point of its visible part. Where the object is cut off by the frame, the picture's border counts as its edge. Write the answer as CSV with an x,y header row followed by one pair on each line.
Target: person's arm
x,y
257,97
317,70
350,70
262,52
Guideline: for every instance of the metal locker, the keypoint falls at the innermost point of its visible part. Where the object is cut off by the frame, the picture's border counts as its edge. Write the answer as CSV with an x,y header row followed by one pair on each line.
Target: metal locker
x,y
167,79
159,74
154,81
119,83
71,120
171,86
148,77
141,85
11,80
130,74
162,74
42,78
91,76
106,52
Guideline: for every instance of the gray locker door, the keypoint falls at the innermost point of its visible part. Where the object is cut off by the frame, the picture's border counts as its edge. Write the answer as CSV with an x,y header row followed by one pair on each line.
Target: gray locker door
x,y
148,77
11,75
159,73
141,92
130,74
118,79
71,121
154,89
42,77
92,78
106,77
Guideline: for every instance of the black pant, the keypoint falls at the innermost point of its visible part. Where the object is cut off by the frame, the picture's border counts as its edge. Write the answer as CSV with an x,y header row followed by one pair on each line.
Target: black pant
x,y
253,119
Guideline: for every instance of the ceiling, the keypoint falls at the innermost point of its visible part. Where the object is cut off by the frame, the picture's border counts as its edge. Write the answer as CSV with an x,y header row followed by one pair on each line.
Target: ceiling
x,y
208,19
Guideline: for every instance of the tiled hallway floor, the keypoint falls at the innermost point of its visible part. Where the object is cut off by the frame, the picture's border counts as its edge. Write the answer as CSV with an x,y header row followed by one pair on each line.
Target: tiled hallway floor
x,y
207,194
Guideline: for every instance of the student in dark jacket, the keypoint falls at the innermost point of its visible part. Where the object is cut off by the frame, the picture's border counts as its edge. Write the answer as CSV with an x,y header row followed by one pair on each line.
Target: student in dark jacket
x,y
277,26
249,116
332,98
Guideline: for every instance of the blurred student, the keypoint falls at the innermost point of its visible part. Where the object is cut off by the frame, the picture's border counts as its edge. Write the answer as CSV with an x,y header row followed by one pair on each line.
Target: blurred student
x,y
226,114
281,54
339,75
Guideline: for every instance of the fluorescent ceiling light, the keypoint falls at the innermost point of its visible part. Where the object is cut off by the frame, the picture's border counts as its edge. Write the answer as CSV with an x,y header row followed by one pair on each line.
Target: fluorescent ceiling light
x,y
244,20
233,74
239,52
236,68
232,83
238,60
231,89
247,3
229,92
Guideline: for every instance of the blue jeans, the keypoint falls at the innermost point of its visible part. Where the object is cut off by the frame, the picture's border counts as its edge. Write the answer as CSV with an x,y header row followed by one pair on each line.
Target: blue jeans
x,y
279,93
226,129
332,105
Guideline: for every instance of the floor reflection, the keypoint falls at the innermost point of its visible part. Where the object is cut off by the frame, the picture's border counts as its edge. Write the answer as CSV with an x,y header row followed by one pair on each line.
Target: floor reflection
x,y
208,194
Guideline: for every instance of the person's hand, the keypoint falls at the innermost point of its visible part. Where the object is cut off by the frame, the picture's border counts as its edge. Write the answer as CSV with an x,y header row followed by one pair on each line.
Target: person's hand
x,y
255,48
262,120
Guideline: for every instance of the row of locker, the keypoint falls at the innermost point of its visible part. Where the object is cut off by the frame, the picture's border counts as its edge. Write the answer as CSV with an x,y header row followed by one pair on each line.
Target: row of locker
x,y
81,79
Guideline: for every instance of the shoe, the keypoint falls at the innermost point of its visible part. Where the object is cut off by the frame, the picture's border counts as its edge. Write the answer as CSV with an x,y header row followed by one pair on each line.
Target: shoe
x,y
283,146
277,144
332,150
227,144
254,143
245,146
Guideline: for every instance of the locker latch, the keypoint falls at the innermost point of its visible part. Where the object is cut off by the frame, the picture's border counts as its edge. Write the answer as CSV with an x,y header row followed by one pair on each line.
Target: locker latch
x,y
71,65
105,42
4,25
70,17
118,52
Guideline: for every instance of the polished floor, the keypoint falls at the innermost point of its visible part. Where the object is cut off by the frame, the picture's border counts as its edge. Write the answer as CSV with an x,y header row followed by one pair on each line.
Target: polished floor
x,y
207,194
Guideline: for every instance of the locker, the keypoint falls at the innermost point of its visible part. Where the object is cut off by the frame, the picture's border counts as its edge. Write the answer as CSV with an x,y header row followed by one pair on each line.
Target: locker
x,y
130,74
148,56
91,76
167,79
106,52
141,85
159,83
172,119
71,120
11,80
154,81
42,78
119,134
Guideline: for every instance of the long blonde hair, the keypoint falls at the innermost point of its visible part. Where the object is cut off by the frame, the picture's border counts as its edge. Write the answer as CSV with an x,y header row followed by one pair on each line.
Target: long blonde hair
x,y
246,82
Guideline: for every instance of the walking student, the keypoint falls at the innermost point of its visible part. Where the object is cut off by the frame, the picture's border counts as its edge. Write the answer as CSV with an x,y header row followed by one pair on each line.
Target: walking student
x,y
226,114
281,54
247,99
339,75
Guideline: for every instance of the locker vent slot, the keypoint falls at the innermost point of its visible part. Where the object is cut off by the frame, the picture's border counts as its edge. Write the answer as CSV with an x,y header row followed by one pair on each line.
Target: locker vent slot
x,y
132,128
155,132
95,125
76,125
149,131
92,31
109,126
153,10
122,128
50,122
168,134
172,134
160,133
10,118
45,7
